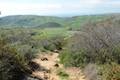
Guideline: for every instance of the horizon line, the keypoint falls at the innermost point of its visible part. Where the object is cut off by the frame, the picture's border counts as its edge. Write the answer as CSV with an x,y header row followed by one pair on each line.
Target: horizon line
x,y
60,15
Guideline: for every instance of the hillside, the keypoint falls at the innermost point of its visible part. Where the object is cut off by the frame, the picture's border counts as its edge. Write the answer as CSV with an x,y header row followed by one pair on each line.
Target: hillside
x,y
56,48
50,21
28,20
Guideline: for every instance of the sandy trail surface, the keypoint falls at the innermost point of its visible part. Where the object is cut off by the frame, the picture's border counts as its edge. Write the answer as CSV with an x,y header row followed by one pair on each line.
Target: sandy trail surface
x,y
50,61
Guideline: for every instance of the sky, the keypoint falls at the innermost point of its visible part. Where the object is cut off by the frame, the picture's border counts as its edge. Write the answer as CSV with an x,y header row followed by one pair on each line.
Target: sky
x,y
58,7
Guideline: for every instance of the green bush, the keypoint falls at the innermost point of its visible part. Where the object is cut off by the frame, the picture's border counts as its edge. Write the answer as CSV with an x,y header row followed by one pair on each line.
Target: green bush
x,y
27,51
52,43
110,72
62,73
95,43
76,59
12,65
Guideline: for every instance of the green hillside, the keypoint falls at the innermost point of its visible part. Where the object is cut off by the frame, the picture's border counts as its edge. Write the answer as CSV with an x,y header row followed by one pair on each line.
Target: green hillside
x,y
28,20
89,44
50,21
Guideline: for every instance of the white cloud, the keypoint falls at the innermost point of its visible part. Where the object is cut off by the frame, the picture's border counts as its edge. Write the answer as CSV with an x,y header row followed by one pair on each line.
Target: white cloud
x,y
9,8
38,6
13,6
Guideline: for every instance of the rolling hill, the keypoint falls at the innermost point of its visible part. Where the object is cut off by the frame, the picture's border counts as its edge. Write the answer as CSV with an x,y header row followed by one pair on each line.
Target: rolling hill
x,y
28,21
50,21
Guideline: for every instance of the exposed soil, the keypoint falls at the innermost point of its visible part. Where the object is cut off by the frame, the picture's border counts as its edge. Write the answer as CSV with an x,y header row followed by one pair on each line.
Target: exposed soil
x,y
50,62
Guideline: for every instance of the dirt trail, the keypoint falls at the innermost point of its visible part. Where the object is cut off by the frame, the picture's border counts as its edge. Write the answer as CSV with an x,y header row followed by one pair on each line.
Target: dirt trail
x,y
50,62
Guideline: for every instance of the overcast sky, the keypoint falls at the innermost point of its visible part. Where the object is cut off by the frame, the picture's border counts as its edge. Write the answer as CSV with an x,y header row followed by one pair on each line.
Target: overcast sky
x,y
58,7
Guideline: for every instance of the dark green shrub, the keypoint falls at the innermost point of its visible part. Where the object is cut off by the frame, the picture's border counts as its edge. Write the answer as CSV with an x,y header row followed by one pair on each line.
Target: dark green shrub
x,y
52,43
69,58
47,44
12,65
27,51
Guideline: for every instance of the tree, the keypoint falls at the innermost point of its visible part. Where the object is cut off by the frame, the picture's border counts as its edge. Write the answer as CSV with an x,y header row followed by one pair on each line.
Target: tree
x,y
95,43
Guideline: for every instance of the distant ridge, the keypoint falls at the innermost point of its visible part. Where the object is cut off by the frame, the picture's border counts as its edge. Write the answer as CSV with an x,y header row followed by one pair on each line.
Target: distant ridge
x,y
51,21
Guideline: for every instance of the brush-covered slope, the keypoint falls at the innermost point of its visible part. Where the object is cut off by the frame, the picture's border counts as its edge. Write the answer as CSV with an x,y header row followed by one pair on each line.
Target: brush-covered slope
x,y
50,21
29,21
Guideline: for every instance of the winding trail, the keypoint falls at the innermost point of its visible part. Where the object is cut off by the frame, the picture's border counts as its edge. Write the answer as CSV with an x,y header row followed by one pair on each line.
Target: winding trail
x,y
50,62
